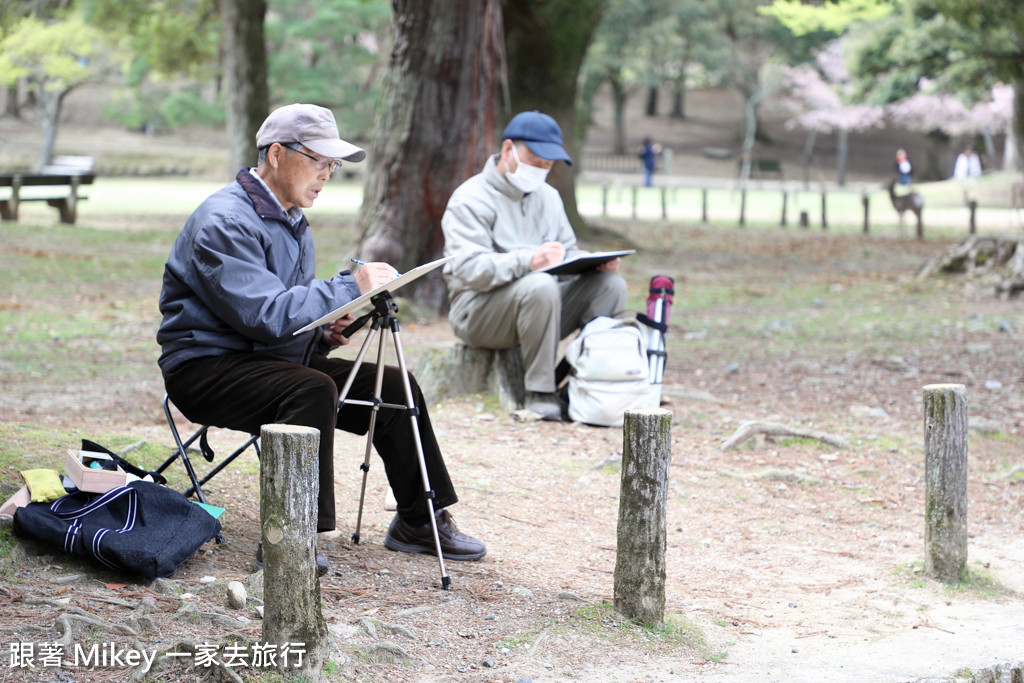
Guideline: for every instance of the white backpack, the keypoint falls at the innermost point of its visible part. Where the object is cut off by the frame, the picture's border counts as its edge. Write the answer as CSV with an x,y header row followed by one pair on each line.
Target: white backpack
x,y
609,372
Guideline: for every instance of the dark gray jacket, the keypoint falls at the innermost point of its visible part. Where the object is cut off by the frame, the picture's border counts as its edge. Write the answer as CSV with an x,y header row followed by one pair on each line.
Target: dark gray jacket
x,y
240,278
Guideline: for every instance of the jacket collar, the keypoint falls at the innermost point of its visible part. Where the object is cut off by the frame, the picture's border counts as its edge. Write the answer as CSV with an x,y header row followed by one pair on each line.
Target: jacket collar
x,y
266,204
496,179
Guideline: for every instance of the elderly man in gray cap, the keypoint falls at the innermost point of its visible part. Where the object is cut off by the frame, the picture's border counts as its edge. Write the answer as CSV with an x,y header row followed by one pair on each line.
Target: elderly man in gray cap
x,y
240,281
504,225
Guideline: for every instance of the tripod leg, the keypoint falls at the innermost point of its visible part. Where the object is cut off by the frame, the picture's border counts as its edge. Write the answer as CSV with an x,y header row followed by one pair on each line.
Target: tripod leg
x,y
374,410
413,414
374,328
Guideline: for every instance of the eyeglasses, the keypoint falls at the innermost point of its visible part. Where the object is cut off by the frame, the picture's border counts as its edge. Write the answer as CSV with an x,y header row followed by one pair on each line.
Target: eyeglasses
x,y
320,163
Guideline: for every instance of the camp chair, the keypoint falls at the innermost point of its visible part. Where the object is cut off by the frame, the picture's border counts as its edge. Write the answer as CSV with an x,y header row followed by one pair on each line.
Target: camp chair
x,y
204,448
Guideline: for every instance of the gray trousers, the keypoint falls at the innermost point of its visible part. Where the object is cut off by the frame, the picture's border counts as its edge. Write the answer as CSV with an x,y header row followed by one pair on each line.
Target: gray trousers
x,y
536,312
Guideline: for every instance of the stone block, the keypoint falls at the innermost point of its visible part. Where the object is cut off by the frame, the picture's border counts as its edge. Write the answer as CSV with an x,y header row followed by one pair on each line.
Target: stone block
x,y
452,371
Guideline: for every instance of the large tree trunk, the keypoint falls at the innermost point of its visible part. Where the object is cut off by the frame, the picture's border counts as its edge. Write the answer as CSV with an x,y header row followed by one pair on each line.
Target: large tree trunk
x,y
245,77
435,128
546,42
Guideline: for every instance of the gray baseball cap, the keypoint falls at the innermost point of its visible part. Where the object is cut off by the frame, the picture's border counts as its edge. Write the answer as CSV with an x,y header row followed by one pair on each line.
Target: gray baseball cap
x,y
310,125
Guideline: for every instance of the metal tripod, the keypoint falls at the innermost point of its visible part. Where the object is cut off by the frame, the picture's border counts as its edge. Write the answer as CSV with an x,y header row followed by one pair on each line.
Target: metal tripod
x,y
382,316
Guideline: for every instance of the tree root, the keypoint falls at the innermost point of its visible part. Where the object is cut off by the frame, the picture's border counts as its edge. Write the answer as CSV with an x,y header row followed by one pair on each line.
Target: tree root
x,y
749,429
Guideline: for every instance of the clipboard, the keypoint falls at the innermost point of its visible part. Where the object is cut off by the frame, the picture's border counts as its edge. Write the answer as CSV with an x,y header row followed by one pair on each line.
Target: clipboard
x,y
585,262
355,304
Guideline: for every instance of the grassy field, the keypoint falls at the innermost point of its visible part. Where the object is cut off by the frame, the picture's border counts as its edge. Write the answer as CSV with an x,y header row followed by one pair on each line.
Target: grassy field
x,y
79,302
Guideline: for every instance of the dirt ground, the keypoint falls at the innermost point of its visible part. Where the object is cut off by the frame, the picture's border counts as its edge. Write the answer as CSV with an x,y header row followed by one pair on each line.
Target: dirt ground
x,y
787,559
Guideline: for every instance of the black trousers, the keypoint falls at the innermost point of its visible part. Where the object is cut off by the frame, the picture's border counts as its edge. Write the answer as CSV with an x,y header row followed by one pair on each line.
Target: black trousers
x,y
244,391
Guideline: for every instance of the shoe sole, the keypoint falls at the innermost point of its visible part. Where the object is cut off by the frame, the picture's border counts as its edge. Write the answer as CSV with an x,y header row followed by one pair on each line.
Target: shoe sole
x,y
398,546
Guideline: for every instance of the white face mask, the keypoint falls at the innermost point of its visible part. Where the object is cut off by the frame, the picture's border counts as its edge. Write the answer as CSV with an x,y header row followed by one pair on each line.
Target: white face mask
x,y
526,178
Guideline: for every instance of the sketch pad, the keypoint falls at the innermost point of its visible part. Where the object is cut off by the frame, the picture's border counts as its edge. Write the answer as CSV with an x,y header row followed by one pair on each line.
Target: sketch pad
x,y
585,262
356,304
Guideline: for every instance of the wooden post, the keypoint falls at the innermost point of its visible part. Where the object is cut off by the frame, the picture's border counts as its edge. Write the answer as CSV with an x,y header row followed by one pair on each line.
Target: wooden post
x,y
972,204
865,203
945,474
640,557
703,205
824,212
743,207
288,512
664,202
785,199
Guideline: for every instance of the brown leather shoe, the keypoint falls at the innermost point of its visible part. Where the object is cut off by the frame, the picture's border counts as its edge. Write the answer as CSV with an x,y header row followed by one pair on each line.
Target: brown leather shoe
x,y
454,544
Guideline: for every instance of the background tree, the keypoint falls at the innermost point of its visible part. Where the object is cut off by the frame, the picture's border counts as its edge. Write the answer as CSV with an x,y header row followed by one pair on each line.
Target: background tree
x,y
435,127
330,52
245,76
546,41
959,48
694,51
818,100
994,38
619,57
53,57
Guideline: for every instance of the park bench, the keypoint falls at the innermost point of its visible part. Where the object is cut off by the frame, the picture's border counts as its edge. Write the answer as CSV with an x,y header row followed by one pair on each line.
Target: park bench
x,y
65,172
762,167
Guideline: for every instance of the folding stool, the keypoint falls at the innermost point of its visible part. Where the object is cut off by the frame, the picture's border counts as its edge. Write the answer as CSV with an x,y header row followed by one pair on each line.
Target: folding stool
x,y
204,447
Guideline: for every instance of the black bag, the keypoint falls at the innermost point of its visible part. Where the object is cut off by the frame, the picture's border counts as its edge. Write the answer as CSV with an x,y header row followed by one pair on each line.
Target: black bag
x,y
143,528
128,467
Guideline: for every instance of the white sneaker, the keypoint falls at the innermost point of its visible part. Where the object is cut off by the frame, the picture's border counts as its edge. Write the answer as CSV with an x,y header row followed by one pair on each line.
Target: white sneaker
x,y
389,501
545,405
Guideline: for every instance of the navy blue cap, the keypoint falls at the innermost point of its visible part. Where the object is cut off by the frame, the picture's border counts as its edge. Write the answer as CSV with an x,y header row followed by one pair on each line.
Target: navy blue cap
x,y
540,133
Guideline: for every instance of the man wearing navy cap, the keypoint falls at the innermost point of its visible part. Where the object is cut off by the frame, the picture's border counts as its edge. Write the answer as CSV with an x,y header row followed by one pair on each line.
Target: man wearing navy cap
x,y
502,226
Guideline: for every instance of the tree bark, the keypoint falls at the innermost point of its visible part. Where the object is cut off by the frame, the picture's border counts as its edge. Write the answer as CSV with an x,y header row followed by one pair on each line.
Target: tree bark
x,y
288,511
12,106
639,579
651,105
546,41
620,96
247,99
945,473
436,127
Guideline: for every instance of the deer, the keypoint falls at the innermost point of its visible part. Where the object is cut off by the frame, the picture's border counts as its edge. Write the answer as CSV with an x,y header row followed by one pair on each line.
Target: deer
x,y
912,202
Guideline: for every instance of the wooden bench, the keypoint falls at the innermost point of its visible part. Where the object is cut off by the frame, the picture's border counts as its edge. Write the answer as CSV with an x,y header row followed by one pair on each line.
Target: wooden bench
x,y
66,202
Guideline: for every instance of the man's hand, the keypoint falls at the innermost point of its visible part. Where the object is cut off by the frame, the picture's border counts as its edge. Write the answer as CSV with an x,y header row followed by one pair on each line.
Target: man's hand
x,y
372,275
333,332
547,254
610,266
